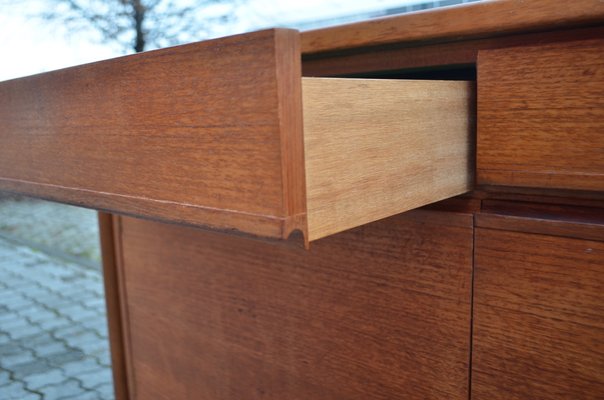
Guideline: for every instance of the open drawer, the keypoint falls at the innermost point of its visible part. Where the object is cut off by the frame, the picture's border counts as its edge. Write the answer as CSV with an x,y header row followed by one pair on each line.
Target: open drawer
x,y
226,134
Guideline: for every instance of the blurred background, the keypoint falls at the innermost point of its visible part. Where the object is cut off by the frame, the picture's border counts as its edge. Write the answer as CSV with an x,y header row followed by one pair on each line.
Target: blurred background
x,y
42,35
53,333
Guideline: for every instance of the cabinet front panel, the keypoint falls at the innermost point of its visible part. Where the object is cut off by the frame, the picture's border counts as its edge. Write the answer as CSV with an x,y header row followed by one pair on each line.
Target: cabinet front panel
x,y
538,317
377,312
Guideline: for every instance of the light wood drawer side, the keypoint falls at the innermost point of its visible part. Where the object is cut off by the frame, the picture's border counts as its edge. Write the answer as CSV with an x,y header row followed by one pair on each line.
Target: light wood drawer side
x,y
375,148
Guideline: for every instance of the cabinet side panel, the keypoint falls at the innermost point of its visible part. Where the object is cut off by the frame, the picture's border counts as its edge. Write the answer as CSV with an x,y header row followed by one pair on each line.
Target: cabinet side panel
x,y
189,134
113,300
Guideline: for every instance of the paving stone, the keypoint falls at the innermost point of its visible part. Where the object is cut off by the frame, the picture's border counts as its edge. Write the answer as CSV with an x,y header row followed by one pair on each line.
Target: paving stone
x,y
65,357
30,368
94,348
88,395
80,290
71,330
93,379
9,349
9,320
16,391
52,315
4,338
55,303
35,313
50,348
4,377
83,340
69,229
104,358
37,292
24,331
106,391
56,270
15,302
53,323
39,338
95,303
29,396
77,312
96,324
20,357
86,365
13,283
36,381
13,322
67,388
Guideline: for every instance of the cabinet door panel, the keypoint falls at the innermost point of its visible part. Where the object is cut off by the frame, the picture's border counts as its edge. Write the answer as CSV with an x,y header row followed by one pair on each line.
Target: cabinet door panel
x,y
538,317
377,312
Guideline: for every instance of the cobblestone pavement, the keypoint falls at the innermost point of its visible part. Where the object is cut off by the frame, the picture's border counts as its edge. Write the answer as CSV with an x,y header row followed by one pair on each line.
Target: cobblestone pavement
x,y
53,332
51,227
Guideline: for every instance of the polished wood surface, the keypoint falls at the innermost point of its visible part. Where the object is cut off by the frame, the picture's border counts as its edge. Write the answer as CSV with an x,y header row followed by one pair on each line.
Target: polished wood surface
x,y
213,144
577,221
541,116
538,324
436,60
377,312
496,294
115,319
376,148
208,133
487,18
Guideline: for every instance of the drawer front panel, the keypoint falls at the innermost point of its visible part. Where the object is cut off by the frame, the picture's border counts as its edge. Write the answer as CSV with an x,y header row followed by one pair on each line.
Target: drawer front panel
x,y
541,116
378,312
538,316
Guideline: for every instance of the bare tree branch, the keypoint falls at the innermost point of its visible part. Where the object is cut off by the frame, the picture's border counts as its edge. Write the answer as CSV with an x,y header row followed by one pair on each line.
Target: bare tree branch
x,y
140,24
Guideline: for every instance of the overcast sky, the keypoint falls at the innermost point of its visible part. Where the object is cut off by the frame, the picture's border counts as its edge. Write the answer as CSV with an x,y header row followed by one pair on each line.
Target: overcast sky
x,y
29,46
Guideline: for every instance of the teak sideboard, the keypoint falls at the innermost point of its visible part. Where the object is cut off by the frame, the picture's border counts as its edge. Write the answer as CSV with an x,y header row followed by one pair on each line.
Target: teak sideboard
x,y
403,208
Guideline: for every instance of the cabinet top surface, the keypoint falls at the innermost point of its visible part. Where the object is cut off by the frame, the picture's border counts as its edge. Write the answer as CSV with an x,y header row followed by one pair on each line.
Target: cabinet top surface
x,y
488,18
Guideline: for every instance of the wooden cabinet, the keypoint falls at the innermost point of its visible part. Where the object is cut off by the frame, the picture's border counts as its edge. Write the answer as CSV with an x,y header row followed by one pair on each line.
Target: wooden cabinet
x,y
538,324
497,293
541,116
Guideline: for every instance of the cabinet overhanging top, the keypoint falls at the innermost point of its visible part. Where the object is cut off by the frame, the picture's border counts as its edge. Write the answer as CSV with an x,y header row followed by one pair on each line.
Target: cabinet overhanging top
x,y
480,19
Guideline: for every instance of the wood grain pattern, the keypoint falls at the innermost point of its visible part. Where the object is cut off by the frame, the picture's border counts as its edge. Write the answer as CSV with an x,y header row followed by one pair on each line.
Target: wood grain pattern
x,y
478,19
582,222
376,148
113,300
123,313
539,195
541,116
399,60
378,312
538,317
208,134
